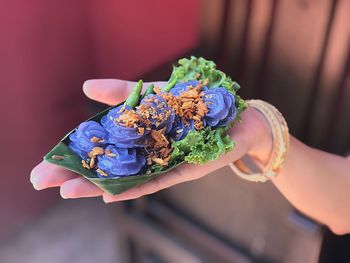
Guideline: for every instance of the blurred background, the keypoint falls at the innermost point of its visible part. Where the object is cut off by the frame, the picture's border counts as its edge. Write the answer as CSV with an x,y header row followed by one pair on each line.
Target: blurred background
x,y
292,53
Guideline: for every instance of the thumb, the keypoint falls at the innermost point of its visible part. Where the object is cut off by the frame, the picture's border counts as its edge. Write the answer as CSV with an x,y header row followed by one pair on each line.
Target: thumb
x,y
112,91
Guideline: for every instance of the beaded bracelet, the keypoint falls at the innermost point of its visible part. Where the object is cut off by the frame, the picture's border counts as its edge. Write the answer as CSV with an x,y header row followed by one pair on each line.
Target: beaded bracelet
x,y
280,138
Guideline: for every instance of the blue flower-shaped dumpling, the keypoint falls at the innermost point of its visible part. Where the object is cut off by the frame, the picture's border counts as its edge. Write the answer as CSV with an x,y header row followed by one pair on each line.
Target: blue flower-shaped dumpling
x,y
180,129
120,162
121,136
155,109
221,107
88,135
183,86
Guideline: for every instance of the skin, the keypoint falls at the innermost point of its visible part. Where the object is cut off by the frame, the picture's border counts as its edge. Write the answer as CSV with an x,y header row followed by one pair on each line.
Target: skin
x,y
315,182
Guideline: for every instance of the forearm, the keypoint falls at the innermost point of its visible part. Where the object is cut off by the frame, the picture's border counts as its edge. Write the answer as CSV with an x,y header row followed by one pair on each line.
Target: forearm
x,y
315,182
318,184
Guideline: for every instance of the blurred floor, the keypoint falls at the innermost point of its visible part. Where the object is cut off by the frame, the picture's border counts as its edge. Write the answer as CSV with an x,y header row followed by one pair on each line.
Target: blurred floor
x,y
72,231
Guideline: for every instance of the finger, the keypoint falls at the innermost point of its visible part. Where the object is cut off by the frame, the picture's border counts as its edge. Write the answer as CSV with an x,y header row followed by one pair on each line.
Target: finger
x,y
112,91
79,187
184,173
159,183
109,91
179,175
46,175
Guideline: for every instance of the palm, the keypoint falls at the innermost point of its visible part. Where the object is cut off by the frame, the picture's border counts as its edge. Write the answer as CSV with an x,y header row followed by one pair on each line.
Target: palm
x,y
112,92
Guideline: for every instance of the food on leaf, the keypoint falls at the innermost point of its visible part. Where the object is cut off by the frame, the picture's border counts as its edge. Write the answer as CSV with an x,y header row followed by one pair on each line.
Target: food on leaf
x,y
150,134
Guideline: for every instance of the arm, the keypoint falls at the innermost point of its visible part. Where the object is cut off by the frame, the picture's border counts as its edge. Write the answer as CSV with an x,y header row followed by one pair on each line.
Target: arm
x,y
315,182
318,184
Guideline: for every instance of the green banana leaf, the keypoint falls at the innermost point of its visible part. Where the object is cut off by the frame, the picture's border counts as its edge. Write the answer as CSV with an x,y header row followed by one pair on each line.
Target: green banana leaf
x,y
113,186
61,155
188,69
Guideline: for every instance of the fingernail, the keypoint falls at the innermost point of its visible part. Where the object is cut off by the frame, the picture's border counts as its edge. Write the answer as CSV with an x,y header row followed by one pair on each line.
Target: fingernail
x,y
63,194
64,197
36,186
34,181
107,198
86,86
34,177
86,83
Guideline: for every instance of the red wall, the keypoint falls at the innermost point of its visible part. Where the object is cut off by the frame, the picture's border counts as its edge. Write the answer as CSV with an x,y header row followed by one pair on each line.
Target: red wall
x,y
47,50
131,37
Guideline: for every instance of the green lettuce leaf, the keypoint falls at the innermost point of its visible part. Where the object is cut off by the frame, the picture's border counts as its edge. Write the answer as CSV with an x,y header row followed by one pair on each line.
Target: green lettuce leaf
x,y
202,146
202,69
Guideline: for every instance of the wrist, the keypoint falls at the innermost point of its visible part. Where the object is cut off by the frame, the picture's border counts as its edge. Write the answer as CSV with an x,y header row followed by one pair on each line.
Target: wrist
x,y
261,143
268,135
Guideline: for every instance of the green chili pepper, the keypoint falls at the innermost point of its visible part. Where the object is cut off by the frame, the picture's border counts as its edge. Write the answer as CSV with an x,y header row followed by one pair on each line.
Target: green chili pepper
x,y
134,96
169,85
149,91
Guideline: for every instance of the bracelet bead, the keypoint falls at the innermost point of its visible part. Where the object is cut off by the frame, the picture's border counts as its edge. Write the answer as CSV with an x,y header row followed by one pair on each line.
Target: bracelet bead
x,y
280,138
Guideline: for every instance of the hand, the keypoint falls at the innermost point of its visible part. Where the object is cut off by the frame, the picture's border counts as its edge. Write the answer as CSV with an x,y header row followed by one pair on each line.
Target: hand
x,y
250,136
